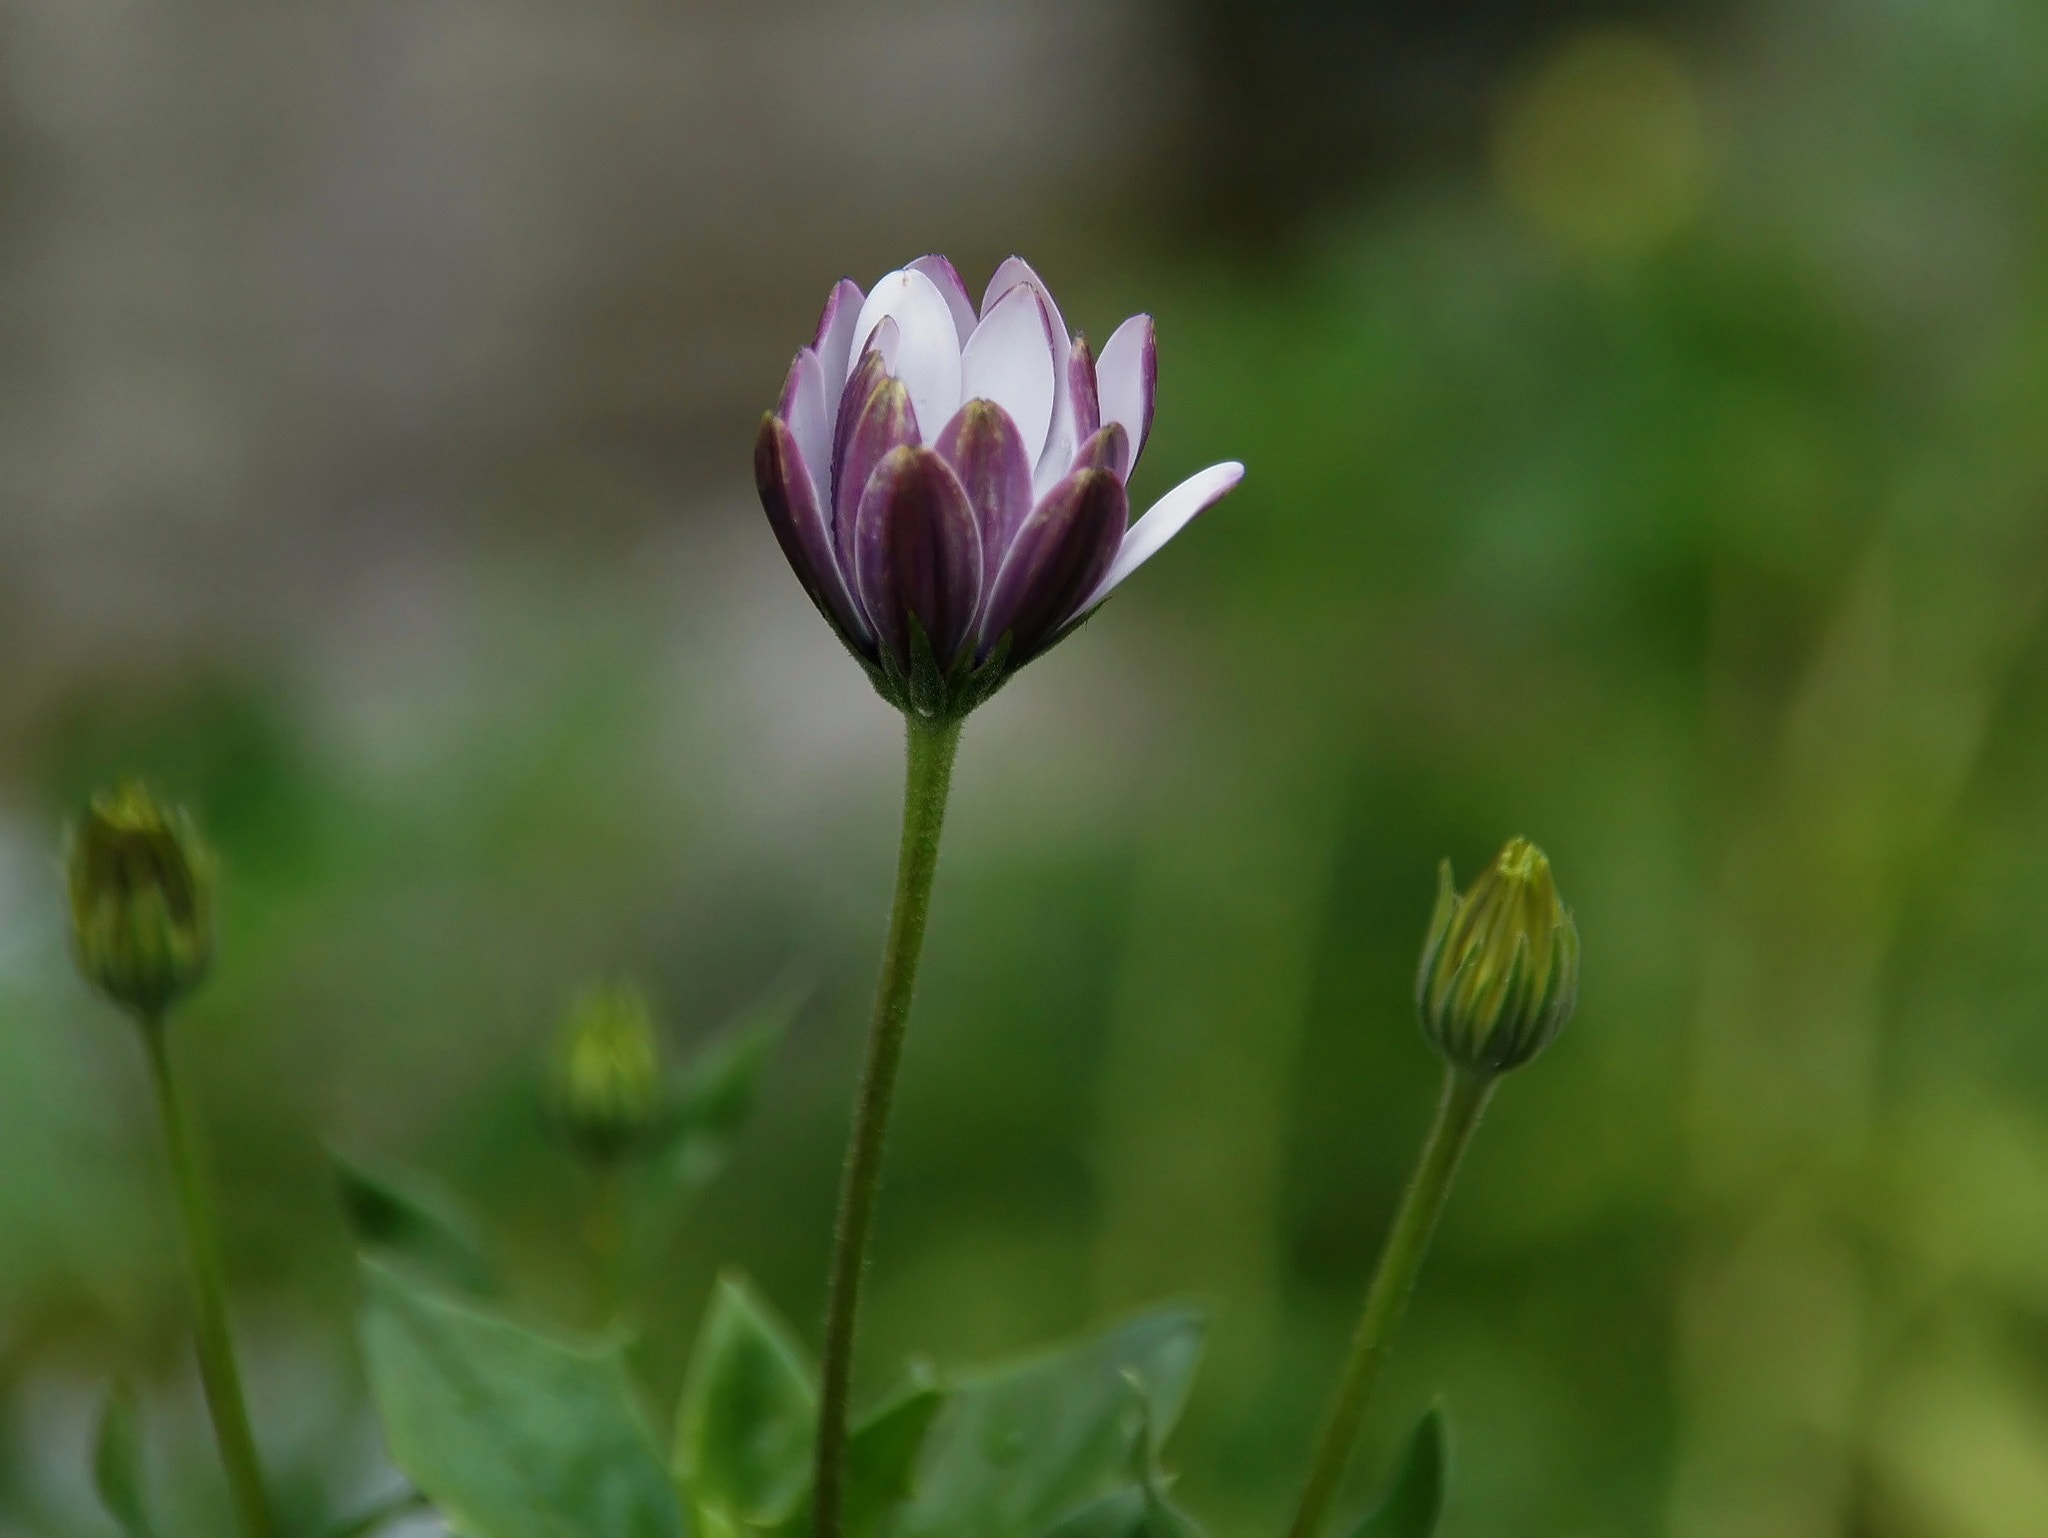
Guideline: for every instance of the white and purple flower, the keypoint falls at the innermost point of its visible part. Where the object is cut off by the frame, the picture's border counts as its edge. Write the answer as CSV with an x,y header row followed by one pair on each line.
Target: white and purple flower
x,y
948,483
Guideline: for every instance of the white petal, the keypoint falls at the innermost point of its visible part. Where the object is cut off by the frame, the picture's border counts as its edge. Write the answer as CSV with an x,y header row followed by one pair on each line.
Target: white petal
x,y
834,343
946,278
1168,516
927,353
810,420
1057,457
1124,376
1009,360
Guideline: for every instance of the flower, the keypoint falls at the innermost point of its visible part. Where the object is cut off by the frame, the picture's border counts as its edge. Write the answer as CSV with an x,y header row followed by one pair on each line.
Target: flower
x,y
141,888
608,1084
948,483
1500,970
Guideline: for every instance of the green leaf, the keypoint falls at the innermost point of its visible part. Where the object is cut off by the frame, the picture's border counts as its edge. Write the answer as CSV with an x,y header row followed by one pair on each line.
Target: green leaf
x,y
1017,1450
117,1463
1136,1511
406,1220
716,1093
381,1516
511,1434
749,1410
881,1464
1414,1502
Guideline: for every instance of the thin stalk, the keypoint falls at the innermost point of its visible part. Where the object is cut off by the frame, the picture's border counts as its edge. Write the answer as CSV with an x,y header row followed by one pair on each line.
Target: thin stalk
x,y
1457,1114
610,1240
218,1375
928,775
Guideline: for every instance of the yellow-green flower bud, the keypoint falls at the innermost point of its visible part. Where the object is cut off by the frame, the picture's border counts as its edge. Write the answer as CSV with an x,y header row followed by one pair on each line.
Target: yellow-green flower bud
x,y
1500,971
141,889
608,1085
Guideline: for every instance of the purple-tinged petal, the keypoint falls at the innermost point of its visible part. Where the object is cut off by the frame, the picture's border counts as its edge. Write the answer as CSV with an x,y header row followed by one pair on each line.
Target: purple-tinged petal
x,y
918,554
1129,376
1108,448
834,342
946,278
1055,562
885,420
926,356
1167,517
1074,417
986,451
791,502
1086,403
873,369
1009,360
804,409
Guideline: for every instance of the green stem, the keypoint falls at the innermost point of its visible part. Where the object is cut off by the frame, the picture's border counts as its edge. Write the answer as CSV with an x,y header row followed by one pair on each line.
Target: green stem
x,y
928,775
609,1241
1457,1114
217,1372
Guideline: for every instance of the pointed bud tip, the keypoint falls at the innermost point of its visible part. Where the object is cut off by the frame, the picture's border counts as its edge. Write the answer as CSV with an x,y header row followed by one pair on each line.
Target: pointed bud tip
x,y
1500,968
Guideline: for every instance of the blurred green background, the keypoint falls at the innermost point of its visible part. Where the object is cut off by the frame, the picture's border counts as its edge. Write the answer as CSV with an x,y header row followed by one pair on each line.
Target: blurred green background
x,y
1646,408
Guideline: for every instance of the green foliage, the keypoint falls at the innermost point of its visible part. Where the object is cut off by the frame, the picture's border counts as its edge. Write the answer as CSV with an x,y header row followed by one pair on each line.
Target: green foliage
x,y
748,1415
881,1463
511,1434
117,1463
1015,1451
406,1221
715,1094
1413,1505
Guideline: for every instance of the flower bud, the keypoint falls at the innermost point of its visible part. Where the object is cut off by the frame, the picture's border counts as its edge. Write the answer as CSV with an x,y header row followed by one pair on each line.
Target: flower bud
x,y
1500,971
141,890
608,1087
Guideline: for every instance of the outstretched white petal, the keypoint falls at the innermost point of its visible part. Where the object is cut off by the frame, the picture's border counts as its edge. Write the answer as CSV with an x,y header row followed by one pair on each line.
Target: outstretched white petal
x,y
927,352
1009,360
1167,517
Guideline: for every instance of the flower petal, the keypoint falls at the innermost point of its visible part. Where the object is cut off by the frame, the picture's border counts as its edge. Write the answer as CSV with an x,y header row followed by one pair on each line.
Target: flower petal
x,y
1081,391
1056,561
1168,516
1009,360
926,356
869,430
1108,448
834,342
790,500
1013,271
1075,416
919,554
803,408
986,451
946,278
1129,374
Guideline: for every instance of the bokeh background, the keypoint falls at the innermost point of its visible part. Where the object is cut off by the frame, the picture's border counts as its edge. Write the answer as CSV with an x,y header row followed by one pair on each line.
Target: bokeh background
x,y
1647,413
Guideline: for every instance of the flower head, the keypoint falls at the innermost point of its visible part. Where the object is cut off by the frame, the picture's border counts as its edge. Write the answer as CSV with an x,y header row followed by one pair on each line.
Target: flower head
x,y
141,887
608,1085
948,482
1500,970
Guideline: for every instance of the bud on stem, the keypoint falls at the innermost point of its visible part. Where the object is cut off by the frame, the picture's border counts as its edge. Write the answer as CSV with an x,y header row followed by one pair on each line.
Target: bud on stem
x,y
140,882
608,1085
1500,970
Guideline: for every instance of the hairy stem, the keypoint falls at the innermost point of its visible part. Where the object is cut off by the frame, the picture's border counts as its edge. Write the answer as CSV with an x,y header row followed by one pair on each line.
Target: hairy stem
x,y
1457,1114
930,746
218,1375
